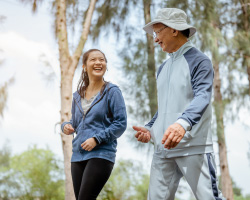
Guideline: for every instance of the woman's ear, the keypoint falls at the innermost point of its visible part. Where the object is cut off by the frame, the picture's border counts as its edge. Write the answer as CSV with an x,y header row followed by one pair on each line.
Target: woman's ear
x,y
84,68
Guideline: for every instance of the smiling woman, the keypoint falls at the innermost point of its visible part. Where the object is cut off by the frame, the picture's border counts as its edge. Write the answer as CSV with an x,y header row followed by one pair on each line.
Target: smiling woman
x,y
98,118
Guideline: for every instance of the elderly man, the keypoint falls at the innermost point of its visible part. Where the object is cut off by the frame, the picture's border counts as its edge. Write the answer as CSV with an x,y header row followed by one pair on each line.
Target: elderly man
x,y
181,128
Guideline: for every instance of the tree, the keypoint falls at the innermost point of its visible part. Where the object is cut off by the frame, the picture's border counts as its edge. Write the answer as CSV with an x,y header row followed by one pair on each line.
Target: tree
x,y
33,174
4,95
241,39
38,174
4,86
8,186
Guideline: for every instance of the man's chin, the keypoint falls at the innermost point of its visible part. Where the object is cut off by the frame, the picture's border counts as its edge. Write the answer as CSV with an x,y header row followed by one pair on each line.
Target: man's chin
x,y
164,49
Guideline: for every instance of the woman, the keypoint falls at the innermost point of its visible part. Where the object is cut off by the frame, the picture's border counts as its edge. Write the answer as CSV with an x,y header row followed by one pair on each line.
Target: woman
x,y
98,118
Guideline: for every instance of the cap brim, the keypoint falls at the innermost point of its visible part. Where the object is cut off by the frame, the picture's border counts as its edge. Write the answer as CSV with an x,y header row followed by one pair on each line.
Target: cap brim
x,y
180,27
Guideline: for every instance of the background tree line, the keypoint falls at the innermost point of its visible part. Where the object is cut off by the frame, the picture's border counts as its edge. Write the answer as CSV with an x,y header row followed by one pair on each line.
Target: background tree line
x,y
38,174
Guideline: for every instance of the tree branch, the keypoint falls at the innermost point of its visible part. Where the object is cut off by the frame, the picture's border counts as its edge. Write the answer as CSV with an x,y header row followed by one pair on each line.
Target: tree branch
x,y
85,32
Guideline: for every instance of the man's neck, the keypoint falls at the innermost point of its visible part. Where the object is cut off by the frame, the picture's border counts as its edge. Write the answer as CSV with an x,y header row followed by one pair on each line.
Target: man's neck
x,y
180,41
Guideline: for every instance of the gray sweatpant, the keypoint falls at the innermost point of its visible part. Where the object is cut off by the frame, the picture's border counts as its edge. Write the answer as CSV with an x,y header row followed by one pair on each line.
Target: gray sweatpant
x,y
198,170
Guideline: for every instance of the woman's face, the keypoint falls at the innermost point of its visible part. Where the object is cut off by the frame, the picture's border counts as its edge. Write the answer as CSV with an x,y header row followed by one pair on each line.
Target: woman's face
x,y
96,65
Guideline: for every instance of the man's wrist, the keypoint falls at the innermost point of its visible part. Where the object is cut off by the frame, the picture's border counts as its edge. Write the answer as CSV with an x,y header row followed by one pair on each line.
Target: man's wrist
x,y
184,124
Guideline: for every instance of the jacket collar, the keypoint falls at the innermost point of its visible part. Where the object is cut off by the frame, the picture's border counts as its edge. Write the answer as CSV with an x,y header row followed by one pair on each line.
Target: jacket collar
x,y
183,49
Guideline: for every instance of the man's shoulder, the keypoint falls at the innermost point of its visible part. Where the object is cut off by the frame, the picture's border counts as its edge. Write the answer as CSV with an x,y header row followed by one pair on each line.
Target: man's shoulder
x,y
194,53
197,61
160,68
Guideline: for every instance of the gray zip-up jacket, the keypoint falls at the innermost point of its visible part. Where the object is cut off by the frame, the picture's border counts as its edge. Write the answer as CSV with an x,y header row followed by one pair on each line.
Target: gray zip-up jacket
x,y
184,89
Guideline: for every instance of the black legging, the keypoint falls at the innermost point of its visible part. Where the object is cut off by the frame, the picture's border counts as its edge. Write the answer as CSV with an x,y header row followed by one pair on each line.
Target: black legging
x,y
89,177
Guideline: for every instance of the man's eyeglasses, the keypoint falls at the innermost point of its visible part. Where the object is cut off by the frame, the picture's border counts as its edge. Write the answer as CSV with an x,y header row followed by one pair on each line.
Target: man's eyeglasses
x,y
157,32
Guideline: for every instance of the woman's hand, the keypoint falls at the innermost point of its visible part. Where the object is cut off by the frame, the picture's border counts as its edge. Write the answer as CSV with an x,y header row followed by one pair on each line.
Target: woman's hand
x,y
68,129
89,144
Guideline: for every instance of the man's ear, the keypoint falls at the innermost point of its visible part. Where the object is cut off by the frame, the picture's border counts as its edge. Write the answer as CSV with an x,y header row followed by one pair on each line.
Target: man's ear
x,y
175,32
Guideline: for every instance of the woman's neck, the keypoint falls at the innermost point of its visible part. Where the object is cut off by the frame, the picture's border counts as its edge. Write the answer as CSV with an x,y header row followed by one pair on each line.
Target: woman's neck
x,y
93,88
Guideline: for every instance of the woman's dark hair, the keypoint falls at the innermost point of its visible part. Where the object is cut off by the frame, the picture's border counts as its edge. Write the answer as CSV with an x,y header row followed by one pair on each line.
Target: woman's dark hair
x,y
84,79
185,32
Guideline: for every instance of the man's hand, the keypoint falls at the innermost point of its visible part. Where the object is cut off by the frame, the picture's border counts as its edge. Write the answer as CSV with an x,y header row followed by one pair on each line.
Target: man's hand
x,y
142,134
89,144
68,129
173,135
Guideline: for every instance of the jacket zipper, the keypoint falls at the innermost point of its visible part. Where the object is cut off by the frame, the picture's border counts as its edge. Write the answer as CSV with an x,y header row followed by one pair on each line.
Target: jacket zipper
x,y
90,106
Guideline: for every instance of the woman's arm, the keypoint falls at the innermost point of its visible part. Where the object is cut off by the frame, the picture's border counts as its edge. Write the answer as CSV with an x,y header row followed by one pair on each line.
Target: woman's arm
x,y
119,124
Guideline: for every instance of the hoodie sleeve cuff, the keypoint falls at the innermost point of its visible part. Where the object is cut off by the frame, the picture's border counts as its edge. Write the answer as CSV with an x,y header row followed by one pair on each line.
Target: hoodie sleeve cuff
x,y
63,124
96,140
184,124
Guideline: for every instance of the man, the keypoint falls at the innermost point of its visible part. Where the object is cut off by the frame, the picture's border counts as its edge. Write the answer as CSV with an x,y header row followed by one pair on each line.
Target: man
x,y
181,128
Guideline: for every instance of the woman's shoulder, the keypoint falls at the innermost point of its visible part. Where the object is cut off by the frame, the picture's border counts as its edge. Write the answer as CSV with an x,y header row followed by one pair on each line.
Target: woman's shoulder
x,y
76,95
111,87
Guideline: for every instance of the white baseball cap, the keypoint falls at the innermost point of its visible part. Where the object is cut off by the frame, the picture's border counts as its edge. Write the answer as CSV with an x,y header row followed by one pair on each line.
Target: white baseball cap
x,y
172,17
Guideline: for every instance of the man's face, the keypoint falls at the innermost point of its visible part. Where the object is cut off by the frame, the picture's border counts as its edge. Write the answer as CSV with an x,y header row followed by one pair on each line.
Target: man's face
x,y
164,37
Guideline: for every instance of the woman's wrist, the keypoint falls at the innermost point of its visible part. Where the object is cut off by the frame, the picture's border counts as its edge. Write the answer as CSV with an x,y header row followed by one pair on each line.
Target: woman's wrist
x,y
96,140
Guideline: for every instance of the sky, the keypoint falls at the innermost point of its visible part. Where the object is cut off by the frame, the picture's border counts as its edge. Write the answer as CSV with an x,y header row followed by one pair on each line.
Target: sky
x,y
33,107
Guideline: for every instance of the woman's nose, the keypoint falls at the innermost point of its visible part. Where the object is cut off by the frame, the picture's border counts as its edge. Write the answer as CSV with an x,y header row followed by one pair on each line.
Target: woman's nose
x,y
97,61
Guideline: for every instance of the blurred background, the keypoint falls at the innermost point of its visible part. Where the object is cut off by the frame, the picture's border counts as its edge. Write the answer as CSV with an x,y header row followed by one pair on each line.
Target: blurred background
x,y
38,53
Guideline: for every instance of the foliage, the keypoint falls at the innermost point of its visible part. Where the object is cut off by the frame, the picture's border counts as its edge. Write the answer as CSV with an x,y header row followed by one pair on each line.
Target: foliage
x,y
128,181
242,198
4,88
237,191
35,173
8,186
4,95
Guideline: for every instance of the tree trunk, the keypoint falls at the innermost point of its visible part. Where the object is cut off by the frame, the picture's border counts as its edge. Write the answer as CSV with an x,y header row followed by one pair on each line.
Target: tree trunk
x,y
68,66
226,182
152,94
66,98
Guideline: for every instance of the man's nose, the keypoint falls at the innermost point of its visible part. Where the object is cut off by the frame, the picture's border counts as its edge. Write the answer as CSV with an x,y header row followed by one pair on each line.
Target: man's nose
x,y
156,39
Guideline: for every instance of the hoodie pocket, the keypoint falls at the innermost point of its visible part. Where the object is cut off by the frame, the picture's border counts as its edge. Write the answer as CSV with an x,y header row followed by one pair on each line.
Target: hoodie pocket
x,y
83,137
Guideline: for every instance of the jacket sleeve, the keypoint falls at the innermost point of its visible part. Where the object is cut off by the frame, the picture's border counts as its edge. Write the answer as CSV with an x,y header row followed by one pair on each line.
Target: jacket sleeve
x,y
150,124
202,84
72,115
119,124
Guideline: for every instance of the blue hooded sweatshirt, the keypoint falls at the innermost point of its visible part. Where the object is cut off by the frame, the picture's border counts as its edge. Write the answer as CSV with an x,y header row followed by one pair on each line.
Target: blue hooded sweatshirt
x,y
106,120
